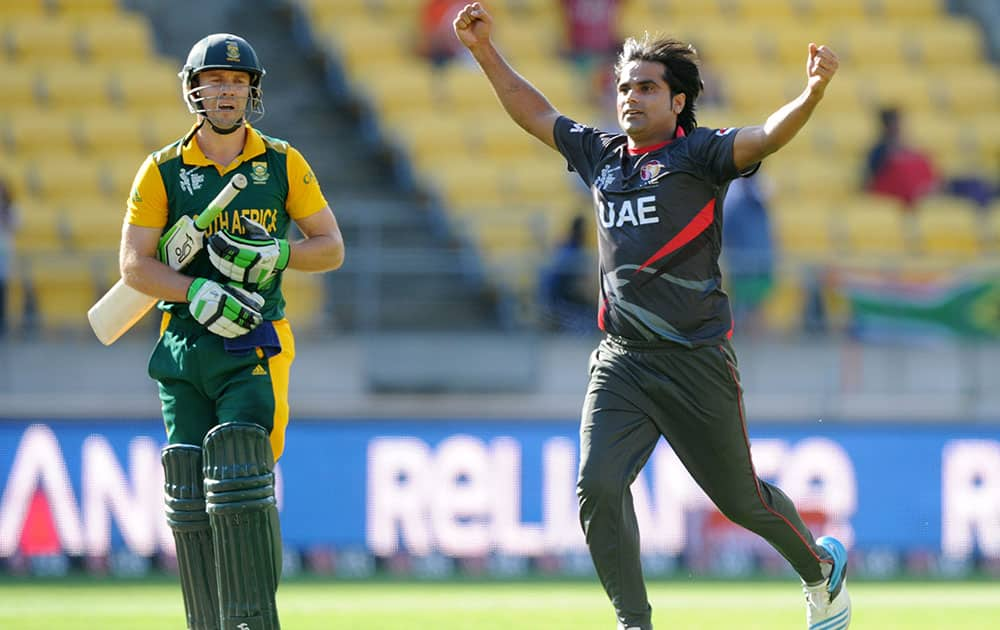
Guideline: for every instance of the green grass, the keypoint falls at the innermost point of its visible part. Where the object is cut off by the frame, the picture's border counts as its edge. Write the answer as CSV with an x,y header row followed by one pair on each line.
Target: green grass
x,y
116,605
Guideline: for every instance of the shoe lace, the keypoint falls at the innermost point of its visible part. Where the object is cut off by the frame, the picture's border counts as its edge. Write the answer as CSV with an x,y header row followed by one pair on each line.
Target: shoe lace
x,y
817,597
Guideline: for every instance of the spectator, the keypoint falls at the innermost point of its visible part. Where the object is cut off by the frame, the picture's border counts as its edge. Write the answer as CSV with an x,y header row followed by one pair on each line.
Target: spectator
x,y
747,243
565,300
8,223
437,38
896,169
591,30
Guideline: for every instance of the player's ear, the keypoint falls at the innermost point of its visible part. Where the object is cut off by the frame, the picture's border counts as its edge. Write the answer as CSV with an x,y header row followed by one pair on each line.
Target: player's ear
x,y
678,102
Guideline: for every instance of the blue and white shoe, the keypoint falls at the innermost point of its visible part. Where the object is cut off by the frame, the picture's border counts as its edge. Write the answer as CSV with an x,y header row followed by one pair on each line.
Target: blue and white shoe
x,y
828,606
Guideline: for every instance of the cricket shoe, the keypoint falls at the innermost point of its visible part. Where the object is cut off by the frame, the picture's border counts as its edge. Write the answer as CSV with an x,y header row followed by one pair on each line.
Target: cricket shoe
x,y
828,606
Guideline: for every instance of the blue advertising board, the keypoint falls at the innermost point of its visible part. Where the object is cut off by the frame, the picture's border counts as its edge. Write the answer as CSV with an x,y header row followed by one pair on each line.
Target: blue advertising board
x,y
467,488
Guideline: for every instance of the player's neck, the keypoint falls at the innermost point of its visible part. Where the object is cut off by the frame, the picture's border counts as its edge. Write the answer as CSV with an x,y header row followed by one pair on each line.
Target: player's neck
x,y
221,149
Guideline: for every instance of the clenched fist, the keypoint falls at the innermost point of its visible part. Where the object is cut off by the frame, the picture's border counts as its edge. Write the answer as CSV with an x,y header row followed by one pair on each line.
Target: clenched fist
x,y
473,25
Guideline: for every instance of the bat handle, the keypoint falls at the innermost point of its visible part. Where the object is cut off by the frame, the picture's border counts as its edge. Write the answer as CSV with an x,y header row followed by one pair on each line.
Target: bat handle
x,y
235,185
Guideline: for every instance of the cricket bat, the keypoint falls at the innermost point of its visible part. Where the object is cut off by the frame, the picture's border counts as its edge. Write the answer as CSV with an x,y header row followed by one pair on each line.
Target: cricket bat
x,y
122,306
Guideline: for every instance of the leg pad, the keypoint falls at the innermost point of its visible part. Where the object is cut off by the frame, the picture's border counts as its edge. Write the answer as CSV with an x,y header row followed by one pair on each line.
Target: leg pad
x,y
185,498
239,493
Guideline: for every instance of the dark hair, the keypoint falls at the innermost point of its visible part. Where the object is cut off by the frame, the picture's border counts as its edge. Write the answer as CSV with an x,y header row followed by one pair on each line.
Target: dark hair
x,y
681,73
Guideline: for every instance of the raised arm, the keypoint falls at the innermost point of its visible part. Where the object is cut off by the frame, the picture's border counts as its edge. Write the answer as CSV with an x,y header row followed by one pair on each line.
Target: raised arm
x,y
753,144
525,104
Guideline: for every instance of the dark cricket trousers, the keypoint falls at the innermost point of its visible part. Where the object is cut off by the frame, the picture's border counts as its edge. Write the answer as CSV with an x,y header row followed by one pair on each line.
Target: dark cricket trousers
x,y
692,397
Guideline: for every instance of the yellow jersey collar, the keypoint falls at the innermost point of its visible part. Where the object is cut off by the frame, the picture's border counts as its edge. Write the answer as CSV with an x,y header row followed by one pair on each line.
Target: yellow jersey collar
x,y
192,154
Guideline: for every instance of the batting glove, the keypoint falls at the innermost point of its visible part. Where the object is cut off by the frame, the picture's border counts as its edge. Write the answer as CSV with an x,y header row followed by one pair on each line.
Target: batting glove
x,y
226,310
253,259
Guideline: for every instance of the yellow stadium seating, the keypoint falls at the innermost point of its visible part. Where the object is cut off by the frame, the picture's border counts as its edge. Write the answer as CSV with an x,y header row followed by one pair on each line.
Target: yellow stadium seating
x,y
464,87
146,85
804,232
854,10
565,88
870,44
760,10
496,180
535,183
949,42
64,290
97,9
969,89
527,41
23,9
38,133
395,89
95,224
21,86
304,296
167,124
872,226
498,137
63,178
363,42
922,10
949,227
41,227
815,177
114,38
111,133
43,39
75,86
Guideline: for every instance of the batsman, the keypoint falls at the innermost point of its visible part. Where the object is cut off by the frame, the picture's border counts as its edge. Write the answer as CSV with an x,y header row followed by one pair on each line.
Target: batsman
x,y
225,349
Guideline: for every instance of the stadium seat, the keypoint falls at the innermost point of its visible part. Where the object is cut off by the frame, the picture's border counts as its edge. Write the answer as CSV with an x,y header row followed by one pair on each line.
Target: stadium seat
x,y
352,41
304,296
41,228
870,44
396,89
117,37
922,10
842,10
64,290
167,124
969,88
64,178
947,42
22,10
43,40
22,87
465,88
95,9
804,232
111,133
72,87
34,133
467,184
949,227
872,226
815,177
146,85
95,225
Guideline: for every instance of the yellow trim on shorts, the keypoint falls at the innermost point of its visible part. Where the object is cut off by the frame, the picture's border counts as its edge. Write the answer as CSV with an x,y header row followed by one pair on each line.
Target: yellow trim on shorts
x,y
280,366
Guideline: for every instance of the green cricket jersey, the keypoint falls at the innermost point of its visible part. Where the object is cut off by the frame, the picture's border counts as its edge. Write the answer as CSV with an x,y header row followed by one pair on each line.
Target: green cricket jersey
x,y
179,180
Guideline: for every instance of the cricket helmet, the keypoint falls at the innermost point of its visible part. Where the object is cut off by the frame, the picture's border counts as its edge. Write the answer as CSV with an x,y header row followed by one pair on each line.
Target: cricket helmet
x,y
222,51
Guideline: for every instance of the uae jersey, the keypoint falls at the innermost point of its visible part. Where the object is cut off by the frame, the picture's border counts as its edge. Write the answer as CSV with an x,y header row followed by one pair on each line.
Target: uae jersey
x,y
659,224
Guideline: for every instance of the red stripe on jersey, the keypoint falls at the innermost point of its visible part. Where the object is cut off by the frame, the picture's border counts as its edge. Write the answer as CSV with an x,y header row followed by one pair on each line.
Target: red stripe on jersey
x,y
600,314
698,224
678,133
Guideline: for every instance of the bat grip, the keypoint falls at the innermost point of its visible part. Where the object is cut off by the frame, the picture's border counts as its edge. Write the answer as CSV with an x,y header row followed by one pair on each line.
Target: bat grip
x,y
235,185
